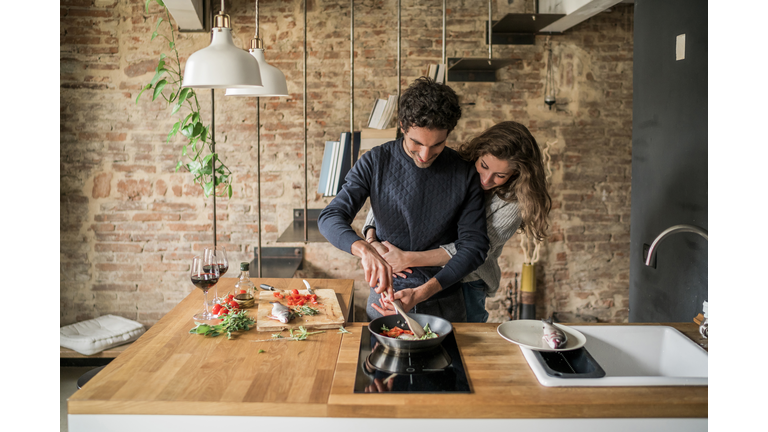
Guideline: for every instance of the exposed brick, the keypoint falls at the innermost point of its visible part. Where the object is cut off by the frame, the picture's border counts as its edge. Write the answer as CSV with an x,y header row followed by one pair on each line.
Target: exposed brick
x,y
171,207
101,185
134,189
118,247
178,267
156,218
113,267
114,287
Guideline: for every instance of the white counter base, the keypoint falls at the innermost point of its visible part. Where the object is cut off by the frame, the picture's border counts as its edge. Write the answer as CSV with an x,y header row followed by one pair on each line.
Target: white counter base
x,y
165,423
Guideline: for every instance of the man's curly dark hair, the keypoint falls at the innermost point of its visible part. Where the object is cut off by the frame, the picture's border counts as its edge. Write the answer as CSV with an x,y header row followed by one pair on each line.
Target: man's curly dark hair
x,y
428,104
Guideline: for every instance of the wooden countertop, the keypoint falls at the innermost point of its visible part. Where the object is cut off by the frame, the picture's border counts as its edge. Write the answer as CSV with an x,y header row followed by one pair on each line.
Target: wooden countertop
x,y
503,386
169,371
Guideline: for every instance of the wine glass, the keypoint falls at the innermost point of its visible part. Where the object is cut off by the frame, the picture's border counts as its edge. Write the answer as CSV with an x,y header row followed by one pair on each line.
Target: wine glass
x,y
204,275
218,258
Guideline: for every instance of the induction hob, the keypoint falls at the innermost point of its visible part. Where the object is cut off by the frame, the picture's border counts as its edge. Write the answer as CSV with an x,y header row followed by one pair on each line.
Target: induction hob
x,y
436,371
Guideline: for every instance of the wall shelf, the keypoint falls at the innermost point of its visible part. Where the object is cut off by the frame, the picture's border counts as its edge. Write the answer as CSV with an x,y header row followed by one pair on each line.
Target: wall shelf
x,y
520,29
475,69
277,262
295,232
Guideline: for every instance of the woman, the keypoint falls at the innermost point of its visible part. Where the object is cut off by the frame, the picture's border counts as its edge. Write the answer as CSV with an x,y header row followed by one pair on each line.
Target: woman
x,y
509,163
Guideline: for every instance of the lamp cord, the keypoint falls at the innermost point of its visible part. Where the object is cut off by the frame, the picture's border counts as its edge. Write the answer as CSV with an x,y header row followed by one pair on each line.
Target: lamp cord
x,y
213,166
257,19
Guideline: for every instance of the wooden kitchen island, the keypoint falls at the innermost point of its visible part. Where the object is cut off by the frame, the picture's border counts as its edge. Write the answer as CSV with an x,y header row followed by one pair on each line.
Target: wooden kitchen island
x,y
172,380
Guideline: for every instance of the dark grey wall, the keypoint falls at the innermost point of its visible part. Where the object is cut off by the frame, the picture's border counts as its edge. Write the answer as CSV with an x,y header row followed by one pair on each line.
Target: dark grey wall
x,y
669,160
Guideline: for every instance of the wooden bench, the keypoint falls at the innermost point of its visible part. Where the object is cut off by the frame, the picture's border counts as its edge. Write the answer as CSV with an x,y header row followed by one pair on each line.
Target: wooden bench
x,y
108,353
71,358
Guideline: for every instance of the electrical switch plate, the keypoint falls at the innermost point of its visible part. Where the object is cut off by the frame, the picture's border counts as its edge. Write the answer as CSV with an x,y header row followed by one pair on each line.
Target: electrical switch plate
x,y
680,47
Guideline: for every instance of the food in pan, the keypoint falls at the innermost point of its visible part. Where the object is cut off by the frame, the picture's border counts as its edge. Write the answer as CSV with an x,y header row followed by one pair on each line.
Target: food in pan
x,y
398,333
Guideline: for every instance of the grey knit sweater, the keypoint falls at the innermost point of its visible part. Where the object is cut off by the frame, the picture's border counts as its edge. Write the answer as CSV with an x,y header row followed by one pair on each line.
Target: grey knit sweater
x,y
503,219
418,209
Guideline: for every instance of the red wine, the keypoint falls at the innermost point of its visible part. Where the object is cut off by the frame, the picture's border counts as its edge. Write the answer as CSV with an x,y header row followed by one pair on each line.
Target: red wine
x,y
222,268
204,281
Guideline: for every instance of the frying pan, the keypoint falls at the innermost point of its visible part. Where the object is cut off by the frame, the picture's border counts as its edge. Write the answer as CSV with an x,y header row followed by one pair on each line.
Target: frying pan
x,y
438,325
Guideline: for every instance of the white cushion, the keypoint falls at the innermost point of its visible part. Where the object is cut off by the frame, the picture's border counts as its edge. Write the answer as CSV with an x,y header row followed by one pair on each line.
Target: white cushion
x,y
96,335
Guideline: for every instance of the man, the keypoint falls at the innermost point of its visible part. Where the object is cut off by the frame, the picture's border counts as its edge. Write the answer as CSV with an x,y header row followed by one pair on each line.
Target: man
x,y
424,195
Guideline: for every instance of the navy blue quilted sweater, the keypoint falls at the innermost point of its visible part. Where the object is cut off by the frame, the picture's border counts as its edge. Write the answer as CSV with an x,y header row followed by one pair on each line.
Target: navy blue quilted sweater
x,y
416,209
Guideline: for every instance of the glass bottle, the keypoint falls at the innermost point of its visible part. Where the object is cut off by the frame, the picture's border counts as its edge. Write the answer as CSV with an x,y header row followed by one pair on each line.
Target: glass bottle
x,y
244,287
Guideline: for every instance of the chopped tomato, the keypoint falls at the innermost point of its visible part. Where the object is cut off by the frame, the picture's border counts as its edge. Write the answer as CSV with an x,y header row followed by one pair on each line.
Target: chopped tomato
x,y
295,292
395,332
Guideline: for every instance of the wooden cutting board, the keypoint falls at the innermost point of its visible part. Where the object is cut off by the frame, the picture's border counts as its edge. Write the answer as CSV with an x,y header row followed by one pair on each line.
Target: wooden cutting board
x,y
329,316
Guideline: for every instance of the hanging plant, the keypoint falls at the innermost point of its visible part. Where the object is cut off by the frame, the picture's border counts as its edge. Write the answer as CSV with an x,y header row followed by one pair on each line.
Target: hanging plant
x,y
166,84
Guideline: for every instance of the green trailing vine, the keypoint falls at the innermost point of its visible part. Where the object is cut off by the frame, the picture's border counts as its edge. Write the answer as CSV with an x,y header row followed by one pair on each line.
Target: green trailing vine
x,y
166,84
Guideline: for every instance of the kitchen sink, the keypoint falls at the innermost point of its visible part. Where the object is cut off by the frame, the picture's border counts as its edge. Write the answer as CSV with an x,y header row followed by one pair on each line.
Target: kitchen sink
x,y
634,356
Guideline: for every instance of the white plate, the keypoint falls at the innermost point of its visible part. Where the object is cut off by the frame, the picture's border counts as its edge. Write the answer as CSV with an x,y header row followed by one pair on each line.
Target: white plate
x,y
528,334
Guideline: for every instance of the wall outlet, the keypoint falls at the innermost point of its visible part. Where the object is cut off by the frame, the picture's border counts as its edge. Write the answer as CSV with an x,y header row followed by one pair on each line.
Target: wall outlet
x,y
680,47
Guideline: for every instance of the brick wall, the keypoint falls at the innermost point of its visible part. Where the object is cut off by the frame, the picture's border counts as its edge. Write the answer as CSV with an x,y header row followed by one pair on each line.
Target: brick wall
x,y
130,225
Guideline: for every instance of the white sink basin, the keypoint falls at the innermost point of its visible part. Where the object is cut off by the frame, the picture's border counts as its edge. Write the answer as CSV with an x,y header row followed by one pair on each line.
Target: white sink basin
x,y
635,356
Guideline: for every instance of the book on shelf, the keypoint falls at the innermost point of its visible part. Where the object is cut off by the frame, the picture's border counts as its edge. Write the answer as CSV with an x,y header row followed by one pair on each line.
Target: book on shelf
x,y
437,72
325,169
349,146
389,111
432,71
370,138
379,105
382,112
440,74
332,168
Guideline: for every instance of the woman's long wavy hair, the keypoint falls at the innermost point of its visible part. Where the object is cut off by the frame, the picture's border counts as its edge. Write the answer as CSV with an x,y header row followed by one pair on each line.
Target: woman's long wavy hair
x,y
512,142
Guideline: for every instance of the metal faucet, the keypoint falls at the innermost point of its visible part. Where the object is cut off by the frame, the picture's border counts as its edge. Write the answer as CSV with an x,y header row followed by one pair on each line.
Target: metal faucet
x,y
704,327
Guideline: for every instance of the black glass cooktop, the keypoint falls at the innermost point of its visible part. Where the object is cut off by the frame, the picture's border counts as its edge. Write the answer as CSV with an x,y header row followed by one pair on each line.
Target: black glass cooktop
x,y
438,370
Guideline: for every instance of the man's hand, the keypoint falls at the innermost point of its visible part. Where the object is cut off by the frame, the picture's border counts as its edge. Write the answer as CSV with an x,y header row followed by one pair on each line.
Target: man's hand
x,y
386,307
381,386
378,273
409,297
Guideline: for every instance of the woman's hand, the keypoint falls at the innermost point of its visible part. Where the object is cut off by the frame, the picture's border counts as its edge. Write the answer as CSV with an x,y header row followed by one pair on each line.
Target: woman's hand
x,y
399,260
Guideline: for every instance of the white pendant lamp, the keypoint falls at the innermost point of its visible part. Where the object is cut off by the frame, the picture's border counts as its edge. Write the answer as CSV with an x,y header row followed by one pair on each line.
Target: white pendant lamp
x,y
222,64
272,79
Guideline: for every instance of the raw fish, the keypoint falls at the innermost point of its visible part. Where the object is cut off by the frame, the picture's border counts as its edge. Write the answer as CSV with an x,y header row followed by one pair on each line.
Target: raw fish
x,y
280,312
553,336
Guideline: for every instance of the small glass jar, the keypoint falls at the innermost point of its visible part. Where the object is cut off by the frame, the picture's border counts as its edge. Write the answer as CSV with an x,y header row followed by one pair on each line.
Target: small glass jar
x,y
244,287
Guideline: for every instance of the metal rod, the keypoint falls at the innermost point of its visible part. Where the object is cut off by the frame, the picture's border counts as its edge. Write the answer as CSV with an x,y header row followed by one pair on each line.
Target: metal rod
x,y
306,232
398,57
213,159
443,62
351,67
490,30
258,178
